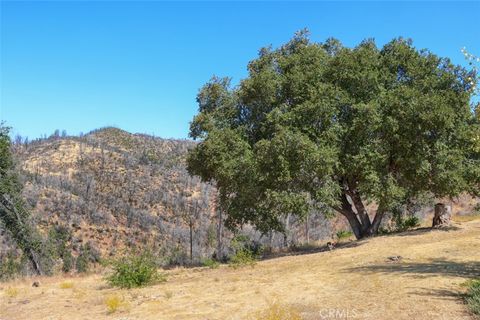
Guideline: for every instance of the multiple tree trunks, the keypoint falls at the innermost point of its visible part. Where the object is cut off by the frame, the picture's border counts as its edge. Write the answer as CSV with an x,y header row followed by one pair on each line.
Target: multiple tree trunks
x,y
442,216
354,210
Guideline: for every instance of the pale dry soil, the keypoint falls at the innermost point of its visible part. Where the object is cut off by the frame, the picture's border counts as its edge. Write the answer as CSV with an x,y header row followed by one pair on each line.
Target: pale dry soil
x,y
357,281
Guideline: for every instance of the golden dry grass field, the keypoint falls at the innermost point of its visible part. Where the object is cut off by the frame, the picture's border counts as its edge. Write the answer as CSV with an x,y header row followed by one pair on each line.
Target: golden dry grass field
x,y
357,281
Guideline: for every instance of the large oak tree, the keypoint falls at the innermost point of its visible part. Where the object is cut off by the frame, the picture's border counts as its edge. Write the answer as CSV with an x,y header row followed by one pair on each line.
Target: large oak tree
x,y
322,125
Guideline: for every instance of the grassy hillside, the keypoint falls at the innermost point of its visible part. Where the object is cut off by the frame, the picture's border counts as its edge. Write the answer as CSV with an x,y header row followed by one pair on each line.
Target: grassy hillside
x,y
358,280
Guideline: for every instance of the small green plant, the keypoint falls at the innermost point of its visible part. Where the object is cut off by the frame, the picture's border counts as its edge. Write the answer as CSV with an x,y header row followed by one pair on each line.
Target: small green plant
x,y
135,270
473,296
344,234
210,263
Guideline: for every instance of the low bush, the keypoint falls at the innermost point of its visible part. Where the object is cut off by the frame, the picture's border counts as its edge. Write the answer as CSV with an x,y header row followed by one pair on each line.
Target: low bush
x,y
67,262
410,222
10,267
246,252
135,270
210,263
242,258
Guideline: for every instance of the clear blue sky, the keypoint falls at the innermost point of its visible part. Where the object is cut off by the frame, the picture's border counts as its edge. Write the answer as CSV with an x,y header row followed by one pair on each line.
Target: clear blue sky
x,y
139,65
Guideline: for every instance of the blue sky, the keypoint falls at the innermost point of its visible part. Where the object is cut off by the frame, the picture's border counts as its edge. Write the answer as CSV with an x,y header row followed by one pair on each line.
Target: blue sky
x,y
138,65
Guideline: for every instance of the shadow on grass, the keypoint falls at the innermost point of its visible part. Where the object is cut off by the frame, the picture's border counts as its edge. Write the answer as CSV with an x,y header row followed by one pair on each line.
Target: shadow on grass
x,y
298,251
436,267
420,231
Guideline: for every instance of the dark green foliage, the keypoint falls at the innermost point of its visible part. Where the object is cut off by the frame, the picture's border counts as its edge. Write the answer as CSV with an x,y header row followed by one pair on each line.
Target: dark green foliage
x,y
245,252
210,263
135,270
321,125
67,262
59,238
473,296
403,224
88,256
82,262
10,266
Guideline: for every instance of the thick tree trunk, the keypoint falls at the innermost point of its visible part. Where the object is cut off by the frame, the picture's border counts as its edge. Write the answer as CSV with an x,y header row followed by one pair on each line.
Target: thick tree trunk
x,y
347,210
373,230
361,210
442,216
358,219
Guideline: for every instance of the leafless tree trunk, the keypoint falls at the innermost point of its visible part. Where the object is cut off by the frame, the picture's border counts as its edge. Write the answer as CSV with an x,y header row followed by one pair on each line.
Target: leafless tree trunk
x,y
219,234
307,230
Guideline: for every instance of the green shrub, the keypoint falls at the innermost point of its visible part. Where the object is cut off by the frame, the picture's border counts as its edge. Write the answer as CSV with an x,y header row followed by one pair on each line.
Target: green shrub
x,y
407,223
344,234
476,209
473,296
246,252
243,257
67,261
135,270
82,262
9,267
210,263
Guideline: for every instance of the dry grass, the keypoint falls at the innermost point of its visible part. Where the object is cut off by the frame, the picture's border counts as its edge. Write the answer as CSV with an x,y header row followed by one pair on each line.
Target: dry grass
x,y
66,285
466,218
278,311
356,281
114,303
11,292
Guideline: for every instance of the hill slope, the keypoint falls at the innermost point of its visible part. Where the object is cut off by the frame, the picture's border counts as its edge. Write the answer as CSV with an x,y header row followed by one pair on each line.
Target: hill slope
x,y
358,280
114,190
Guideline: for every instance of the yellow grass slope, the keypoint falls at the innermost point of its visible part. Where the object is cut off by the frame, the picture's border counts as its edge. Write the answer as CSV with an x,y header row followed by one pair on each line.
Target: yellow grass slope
x,y
354,282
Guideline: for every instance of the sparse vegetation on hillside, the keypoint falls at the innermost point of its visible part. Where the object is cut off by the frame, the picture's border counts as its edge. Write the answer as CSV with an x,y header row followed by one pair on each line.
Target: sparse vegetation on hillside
x,y
110,190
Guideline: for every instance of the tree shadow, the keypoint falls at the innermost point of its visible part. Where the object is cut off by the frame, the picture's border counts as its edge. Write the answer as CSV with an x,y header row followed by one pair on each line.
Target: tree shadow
x,y
420,231
299,251
441,294
436,267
